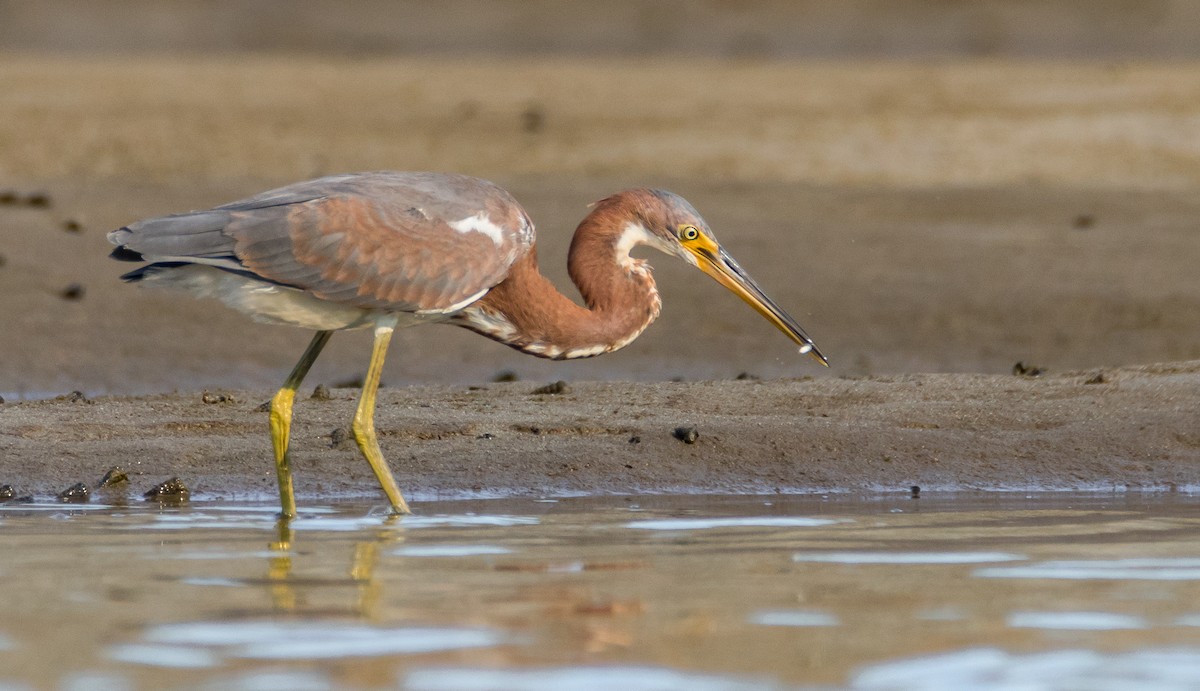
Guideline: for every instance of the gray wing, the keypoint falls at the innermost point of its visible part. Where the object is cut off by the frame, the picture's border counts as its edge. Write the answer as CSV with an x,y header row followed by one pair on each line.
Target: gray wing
x,y
395,241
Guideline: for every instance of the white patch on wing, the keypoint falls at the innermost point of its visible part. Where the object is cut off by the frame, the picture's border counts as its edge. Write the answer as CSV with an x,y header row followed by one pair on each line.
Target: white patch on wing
x,y
480,223
271,303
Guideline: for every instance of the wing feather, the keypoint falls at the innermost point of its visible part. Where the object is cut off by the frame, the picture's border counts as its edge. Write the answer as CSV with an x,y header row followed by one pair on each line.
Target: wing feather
x,y
391,241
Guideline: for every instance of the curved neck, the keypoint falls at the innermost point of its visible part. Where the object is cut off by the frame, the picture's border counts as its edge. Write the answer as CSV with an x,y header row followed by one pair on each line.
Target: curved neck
x,y
527,312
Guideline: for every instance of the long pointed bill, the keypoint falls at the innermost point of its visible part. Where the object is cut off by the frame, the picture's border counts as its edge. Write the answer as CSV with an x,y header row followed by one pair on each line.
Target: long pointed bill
x,y
717,263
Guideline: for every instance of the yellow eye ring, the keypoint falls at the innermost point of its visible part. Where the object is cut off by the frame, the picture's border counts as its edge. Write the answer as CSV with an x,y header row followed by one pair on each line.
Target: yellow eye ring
x,y
689,233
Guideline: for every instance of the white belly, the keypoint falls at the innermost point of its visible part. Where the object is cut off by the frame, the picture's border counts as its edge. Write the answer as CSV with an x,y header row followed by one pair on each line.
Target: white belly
x,y
270,303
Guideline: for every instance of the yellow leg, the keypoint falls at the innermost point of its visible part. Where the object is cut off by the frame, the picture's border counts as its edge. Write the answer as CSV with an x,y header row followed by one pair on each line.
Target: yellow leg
x,y
279,568
281,422
363,426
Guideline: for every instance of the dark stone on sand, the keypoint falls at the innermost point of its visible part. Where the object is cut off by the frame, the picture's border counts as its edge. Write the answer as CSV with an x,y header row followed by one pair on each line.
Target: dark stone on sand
x,y
73,291
505,375
557,387
687,435
7,492
321,393
115,476
171,490
77,493
74,397
338,437
9,197
212,398
533,119
1022,370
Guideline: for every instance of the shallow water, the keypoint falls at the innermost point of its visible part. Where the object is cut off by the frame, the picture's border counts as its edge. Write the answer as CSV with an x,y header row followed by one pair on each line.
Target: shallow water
x,y
629,593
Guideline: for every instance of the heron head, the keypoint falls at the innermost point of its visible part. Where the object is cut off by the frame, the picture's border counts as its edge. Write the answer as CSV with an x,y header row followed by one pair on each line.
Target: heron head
x,y
675,227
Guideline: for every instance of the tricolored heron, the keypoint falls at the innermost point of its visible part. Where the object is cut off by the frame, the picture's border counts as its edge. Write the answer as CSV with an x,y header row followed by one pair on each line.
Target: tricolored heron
x,y
391,249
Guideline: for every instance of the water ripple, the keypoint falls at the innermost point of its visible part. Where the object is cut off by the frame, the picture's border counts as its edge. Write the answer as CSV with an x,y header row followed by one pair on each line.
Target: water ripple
x,y
1075,621
733,522
205,644
1170,569
990,669
577,679
901,558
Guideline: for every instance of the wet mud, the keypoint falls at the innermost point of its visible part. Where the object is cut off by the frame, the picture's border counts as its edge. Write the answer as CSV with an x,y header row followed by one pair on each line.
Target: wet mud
x,y
943,433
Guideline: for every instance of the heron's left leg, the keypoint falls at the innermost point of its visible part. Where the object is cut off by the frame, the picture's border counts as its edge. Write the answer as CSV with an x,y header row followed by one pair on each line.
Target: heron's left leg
x,y
281,422
363,426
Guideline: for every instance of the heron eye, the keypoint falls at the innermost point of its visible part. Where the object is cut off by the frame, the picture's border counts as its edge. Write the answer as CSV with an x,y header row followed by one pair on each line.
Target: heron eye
x,y
689,233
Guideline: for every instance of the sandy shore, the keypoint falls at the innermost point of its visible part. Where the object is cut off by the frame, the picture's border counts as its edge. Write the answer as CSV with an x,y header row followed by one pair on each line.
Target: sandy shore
x,y
1129,429
953,218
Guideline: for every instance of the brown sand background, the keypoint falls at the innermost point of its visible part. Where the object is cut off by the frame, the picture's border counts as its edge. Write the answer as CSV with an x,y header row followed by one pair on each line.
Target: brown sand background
x,y
929,189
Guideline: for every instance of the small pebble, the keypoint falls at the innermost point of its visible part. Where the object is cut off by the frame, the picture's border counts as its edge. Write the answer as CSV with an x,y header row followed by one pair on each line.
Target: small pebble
x,y
40,200
1022,370
7,492
71,225
77,493
321,393
171,490
635,439
533,119
264,407
338,437
72,292
115,476
687,435
8,197
486,435
557,387
746,375
1098,378
505,375
1084,221
211,398
73,397
915,490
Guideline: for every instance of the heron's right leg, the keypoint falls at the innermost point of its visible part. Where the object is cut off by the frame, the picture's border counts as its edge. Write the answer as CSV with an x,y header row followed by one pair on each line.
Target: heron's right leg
x,y
363,427
281,422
